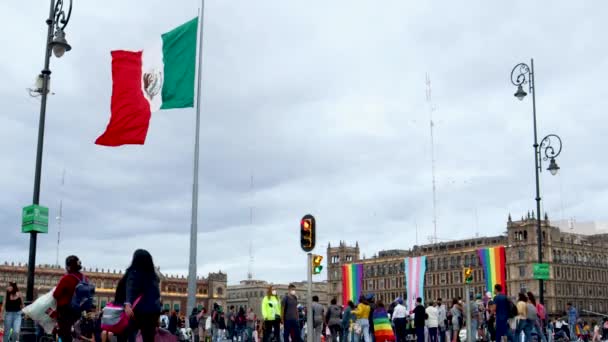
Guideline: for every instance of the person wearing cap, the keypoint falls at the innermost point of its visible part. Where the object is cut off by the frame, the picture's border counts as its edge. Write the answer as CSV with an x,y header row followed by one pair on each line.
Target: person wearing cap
x,y
63,295
399,318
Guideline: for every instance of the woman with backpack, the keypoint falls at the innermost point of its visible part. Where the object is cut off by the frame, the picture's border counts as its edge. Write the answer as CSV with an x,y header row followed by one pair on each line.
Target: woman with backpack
x,y
66,314
142,303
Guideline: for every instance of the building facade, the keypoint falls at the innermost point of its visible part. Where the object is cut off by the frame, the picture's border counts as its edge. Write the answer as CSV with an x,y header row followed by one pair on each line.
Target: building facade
x,y
336,257
578,267
173,288
250,293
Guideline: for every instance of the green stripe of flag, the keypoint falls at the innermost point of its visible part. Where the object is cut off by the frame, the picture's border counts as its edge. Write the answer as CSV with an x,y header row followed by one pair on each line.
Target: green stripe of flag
x,y
179,59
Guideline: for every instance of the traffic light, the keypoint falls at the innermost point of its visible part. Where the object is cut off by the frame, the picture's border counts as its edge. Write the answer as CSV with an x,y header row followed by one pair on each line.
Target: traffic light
x,y
468,275
307,233
316,264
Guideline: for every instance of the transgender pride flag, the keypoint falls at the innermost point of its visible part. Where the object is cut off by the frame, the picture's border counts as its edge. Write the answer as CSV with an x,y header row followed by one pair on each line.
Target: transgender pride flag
x,y
415,269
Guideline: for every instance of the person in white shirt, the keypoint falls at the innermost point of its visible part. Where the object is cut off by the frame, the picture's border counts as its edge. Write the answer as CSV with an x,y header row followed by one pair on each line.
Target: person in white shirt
x,y
400,321
432,322
442,319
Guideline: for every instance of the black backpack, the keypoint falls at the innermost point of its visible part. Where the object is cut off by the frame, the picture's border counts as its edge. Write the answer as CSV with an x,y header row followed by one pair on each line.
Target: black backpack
x,y
512,309
193,322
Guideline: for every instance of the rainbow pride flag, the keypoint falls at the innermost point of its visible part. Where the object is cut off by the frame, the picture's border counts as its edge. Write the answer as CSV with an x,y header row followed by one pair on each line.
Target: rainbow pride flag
x,y
415,269
352,282
493,261
383,330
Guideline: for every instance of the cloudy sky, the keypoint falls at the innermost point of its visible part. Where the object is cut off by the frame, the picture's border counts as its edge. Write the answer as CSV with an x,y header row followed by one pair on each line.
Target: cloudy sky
x,y
324,104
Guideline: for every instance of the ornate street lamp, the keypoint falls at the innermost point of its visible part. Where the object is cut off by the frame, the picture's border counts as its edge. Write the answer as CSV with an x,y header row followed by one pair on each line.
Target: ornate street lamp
x,y
55,42
521,75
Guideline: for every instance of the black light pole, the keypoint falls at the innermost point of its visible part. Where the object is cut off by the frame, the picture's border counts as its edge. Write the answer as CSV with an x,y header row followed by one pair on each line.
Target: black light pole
x,y
56,43
520,75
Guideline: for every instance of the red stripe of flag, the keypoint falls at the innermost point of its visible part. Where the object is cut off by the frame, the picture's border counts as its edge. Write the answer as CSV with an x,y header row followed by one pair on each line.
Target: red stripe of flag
x,y
130,109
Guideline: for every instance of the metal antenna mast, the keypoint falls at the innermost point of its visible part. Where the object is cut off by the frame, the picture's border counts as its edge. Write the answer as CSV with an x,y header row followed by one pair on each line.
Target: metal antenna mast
x,y
431,110
250,268
60,217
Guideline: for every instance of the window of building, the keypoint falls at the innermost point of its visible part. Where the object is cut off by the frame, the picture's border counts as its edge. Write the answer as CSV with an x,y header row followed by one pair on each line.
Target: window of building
x,y
466,261
522,271
220,291
523,287
521,254
458,261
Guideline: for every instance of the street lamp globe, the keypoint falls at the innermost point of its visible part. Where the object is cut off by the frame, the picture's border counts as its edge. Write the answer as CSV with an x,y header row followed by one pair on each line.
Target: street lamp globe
x,y
553,167
60,44
520,93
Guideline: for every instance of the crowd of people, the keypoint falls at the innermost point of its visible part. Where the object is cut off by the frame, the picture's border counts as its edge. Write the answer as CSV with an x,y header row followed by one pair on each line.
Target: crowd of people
x,y
137,298
493,318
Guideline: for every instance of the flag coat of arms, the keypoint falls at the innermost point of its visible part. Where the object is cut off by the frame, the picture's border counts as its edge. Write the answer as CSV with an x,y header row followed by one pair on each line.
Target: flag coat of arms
x,y
143,82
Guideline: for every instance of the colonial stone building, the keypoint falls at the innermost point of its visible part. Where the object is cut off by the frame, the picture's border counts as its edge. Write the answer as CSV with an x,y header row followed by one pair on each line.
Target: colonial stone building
x,y
578,266
336,257
249,293
173,288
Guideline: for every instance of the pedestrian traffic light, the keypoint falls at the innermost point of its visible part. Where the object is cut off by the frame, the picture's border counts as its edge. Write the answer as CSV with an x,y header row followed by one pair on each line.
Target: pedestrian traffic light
x,y
316,264
307,233
468,275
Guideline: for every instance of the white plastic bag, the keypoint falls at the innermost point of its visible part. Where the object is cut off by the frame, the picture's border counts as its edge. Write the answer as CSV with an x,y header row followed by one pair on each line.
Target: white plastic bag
x,y
43,311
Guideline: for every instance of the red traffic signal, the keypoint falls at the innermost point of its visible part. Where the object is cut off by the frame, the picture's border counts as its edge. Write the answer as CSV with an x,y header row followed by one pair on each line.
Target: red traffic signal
x,y
307,233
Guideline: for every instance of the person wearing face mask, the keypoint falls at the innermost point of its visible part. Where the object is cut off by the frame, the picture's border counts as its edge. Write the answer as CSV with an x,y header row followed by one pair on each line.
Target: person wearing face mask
x,y
290,315
271,312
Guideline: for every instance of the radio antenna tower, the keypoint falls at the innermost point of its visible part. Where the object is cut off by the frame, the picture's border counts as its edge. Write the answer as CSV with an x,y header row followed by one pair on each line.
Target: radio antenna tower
x,y
429,101
250,267
60,218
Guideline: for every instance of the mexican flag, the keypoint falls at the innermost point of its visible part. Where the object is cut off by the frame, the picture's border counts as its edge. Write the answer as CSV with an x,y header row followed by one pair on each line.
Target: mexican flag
x,y
143,82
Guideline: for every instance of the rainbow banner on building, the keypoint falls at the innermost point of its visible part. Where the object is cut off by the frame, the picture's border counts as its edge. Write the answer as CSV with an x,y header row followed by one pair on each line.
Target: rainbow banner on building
x,y
493,261
415,269
352,282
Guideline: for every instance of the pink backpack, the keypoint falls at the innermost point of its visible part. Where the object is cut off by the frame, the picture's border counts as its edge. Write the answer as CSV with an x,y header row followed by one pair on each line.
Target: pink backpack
x,y
540,311
114,318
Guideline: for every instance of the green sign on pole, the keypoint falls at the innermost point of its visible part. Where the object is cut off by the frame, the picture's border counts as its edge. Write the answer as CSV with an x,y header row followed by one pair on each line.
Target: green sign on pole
x,y
541,271
35,218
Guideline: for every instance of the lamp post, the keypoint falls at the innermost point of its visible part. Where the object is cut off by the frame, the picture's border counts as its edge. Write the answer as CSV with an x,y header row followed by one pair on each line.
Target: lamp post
x,y
521,75
58,45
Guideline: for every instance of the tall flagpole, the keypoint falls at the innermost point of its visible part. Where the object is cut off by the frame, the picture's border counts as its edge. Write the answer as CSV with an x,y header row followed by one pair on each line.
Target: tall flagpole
x,y
194,224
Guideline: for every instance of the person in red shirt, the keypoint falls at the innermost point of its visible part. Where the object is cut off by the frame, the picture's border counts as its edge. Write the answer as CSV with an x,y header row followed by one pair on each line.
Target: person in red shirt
x,y
63,293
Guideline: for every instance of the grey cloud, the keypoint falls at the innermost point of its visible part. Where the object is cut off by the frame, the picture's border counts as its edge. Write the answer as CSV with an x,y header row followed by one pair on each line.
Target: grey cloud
x,y
324,104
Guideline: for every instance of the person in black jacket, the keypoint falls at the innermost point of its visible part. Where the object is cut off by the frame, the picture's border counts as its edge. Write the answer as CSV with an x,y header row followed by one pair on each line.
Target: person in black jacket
x,y
420,317
142,285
